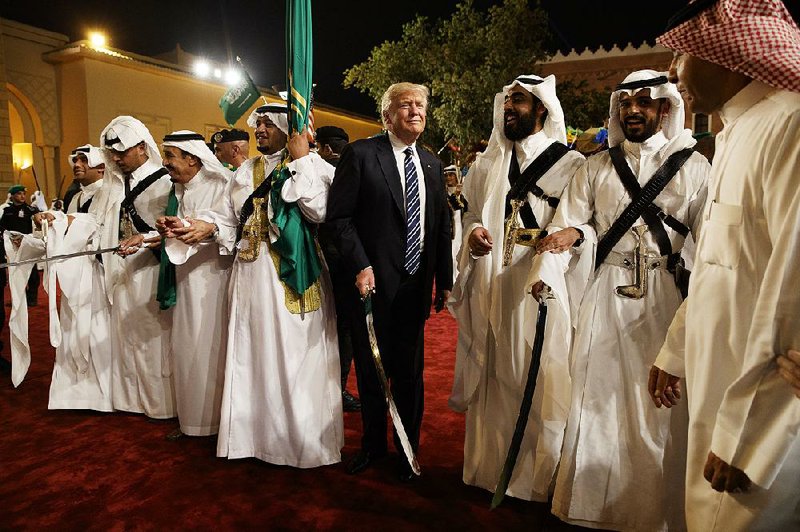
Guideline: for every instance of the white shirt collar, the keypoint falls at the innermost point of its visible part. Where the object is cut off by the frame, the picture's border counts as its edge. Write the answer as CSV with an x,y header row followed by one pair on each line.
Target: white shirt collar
x,y
532,145
195,181
648,147
145,170
91,188
399,145
743,100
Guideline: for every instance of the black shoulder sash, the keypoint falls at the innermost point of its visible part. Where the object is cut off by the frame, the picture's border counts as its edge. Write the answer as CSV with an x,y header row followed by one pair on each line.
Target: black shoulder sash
x,y
85,207
525,182
640,203
127,203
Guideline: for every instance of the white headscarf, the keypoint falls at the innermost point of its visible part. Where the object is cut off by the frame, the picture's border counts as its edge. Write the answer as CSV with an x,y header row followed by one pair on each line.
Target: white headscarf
x,y
194,143
671,125
276,112
126,132
94,155
545,90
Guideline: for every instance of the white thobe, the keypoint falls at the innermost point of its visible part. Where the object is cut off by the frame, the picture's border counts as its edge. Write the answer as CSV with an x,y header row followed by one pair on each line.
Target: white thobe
x,y
622,461
742,312
282,400
85,194
458,236
80,332
139,330
199,320
18,321
496,317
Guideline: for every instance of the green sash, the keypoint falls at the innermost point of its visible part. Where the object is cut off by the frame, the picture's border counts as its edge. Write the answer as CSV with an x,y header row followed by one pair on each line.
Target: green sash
x,y
300,264
167,286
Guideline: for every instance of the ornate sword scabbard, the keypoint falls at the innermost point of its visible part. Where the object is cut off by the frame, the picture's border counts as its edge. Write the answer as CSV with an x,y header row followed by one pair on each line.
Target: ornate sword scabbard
x,y
510,233
126,229
252,233
638,289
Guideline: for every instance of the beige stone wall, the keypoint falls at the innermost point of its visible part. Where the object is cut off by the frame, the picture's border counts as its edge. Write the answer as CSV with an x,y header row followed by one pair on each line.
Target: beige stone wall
x,y
63,94
6,167
96,89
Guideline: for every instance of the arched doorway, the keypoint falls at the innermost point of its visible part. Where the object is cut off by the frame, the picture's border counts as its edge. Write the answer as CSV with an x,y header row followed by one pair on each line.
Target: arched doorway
x,y
32,160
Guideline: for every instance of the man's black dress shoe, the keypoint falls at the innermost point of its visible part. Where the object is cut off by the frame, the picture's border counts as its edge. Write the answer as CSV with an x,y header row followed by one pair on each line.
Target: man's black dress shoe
x,y
349,402
404,472
362,460
175,435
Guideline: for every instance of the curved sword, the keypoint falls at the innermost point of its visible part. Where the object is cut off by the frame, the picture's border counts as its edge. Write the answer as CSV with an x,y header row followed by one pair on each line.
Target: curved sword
x,y
59,257
525,407
396,421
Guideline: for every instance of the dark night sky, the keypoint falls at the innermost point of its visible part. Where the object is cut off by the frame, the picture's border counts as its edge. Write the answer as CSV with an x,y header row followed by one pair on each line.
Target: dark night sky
x,y
344,32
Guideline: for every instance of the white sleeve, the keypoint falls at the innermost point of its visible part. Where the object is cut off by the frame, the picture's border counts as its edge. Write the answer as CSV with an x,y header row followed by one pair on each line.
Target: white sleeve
x,y
308,185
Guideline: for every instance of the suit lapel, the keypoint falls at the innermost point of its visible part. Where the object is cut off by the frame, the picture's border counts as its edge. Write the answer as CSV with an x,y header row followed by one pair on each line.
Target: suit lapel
x,y
389,167
431,189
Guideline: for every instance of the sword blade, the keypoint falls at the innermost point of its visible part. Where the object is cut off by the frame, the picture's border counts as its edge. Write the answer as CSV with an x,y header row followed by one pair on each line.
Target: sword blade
x,y
395,415
59,257
524,409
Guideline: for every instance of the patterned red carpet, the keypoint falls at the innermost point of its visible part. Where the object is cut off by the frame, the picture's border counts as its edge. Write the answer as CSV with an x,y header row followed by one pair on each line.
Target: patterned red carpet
x,y
83,470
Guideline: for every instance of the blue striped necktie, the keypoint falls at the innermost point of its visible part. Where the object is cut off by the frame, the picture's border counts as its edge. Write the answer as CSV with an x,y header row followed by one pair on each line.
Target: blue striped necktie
x,y
412,214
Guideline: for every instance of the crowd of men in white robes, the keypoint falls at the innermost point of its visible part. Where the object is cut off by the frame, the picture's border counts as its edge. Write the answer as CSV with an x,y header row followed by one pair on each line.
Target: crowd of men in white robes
x,y
216,305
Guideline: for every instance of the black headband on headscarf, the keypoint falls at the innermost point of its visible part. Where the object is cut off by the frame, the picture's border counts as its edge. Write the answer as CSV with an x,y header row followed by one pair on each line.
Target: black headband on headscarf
x,y
688,12
110,141
272,108
529,81
179,137
76,151
642,83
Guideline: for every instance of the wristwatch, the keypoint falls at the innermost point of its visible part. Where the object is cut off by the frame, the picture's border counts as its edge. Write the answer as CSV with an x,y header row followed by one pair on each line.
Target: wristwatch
x,y
580,240
214,234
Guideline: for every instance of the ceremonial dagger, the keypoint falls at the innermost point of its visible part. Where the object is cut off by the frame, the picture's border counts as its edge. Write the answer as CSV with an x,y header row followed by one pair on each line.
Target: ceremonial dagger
x,y
525,407
396,421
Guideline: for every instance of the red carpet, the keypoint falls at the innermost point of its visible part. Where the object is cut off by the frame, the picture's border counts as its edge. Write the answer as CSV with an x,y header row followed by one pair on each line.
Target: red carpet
x,y
79,470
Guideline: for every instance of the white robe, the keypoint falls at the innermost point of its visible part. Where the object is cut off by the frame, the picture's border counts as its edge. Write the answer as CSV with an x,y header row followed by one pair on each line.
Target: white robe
x,y
458,236
17,282
282,400
139,330
622,460
85,194
199,320
497,317
80,332
741,313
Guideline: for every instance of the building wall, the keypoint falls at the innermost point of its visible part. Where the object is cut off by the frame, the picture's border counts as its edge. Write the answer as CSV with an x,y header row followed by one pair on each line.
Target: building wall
x,y
31,88
63,94
6,167
604,69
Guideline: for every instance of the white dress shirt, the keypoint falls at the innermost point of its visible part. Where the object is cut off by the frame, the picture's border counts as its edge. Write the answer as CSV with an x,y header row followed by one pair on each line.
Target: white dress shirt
x,y
398,147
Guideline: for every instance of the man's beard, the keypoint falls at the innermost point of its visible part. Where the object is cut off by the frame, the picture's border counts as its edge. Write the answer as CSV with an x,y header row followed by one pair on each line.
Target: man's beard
x,y
651,127
264,150
523,128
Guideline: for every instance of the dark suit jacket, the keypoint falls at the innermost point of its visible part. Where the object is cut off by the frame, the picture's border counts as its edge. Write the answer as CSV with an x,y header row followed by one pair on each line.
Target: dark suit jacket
x,y
366,216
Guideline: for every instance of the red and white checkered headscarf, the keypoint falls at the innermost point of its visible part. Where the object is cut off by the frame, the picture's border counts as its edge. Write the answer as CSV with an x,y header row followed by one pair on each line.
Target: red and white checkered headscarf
x,y
757,38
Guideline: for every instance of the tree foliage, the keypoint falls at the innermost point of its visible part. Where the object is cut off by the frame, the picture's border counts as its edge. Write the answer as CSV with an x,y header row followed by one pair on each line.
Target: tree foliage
x,y
464,60
583,107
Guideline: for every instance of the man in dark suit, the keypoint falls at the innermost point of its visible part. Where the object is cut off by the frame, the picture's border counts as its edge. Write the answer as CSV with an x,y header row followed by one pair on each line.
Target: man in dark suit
x,y
387,208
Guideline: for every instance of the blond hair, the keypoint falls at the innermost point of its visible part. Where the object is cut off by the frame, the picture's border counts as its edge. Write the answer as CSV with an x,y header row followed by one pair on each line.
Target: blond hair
x,y
395,91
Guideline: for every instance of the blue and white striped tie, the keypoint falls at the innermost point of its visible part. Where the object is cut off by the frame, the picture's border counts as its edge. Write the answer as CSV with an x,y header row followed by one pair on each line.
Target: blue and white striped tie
x,y
412,214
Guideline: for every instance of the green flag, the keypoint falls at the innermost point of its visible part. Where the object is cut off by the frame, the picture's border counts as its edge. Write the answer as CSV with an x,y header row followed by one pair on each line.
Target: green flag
x,y
238,99
299,62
